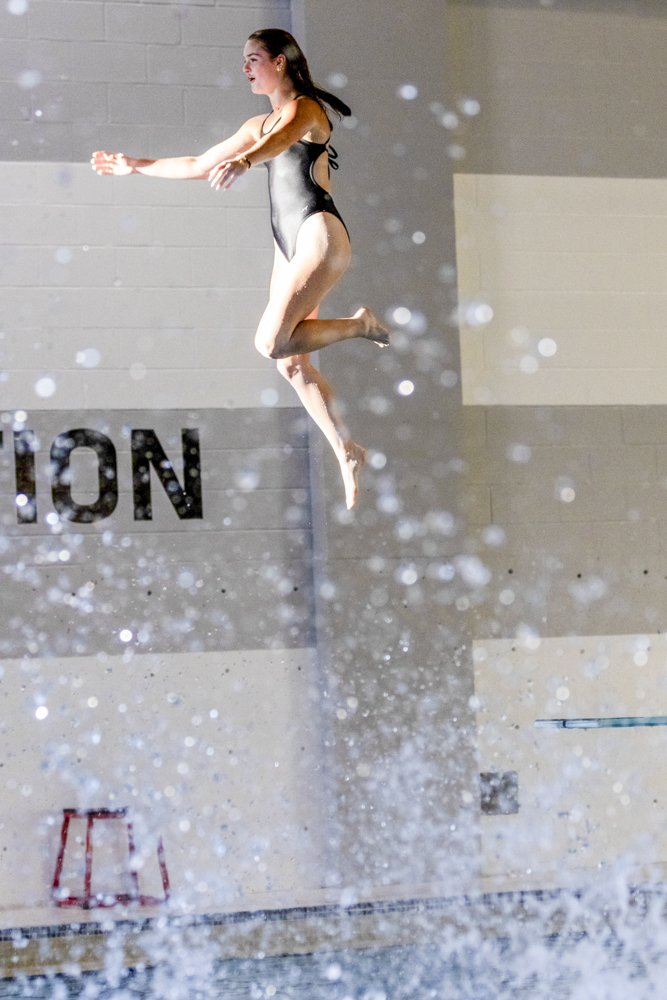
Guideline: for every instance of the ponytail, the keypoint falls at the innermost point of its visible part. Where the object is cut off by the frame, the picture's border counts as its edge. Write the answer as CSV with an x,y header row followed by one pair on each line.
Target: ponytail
x,y
324,97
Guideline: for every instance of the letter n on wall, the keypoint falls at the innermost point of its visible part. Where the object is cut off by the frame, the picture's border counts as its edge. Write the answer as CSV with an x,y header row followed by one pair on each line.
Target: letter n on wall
x,y
146,451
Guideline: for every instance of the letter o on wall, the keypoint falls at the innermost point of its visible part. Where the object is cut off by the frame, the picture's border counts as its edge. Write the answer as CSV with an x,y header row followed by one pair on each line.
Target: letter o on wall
x,y
107,472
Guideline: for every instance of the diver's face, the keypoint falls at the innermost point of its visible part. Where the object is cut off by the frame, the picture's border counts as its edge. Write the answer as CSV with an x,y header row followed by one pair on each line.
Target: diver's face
x,y
262,72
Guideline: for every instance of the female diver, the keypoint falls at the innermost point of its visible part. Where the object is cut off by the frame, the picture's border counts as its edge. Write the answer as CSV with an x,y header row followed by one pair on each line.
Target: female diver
x,y
312,248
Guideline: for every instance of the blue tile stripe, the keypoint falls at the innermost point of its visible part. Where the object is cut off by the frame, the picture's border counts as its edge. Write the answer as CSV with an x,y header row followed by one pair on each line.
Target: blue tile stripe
x,y
623,722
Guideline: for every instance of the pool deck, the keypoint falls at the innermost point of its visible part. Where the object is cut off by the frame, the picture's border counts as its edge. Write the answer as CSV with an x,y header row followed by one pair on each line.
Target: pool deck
x,y
55,940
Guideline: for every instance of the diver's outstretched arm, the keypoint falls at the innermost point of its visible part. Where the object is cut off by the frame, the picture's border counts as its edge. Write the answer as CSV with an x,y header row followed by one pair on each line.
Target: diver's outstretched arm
x,y
180,167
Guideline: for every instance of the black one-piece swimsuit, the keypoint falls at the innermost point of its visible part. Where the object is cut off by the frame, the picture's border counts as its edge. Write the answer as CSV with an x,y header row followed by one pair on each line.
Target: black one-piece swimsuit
x,y
294,193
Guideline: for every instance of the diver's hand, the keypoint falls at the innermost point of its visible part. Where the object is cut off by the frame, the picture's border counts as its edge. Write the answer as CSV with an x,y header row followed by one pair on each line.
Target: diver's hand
x,y
224,175
112,163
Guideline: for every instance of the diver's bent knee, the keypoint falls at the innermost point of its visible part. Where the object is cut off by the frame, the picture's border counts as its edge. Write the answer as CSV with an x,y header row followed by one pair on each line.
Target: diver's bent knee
x,y
264,346
289,368
273,347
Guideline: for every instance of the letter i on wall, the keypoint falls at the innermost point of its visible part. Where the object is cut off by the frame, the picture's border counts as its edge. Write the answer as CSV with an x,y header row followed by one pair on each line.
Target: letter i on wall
x,y
25,444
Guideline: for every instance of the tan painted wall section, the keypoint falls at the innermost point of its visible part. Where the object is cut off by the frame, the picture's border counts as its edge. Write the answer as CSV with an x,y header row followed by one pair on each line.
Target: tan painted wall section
x,y
579,261
586,797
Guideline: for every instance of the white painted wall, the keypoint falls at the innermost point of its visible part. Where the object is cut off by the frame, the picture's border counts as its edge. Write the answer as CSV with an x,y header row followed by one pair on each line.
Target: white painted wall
x,y
235,797
165,279
586,797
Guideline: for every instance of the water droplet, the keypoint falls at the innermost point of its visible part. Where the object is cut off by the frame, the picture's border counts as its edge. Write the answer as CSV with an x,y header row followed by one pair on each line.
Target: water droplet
x,y
45,387
408,91
547,347
528,364
337,80
90,357
470,106
408,575
519,453
401,315
268,397
29,78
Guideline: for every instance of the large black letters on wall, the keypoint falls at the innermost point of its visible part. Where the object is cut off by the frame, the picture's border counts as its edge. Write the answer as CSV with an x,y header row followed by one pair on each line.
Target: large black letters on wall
x,y
186,499
61,489
146,451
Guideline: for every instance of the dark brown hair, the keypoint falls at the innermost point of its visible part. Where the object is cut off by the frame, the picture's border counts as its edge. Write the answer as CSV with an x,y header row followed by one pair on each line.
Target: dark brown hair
x,y
278,42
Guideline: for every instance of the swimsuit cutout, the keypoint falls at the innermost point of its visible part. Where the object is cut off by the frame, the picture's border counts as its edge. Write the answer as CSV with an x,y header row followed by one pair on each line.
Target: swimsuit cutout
x,y
294,194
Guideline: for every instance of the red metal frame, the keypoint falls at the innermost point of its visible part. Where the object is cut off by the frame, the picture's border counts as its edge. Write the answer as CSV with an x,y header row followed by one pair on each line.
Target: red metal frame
x,y
88,901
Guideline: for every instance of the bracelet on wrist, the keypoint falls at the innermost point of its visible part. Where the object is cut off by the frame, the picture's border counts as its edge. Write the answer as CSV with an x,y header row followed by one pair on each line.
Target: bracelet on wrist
x,y
244,159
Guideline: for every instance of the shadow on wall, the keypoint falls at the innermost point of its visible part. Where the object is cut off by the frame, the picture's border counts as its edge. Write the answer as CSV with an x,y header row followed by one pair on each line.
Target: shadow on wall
x,y
572,88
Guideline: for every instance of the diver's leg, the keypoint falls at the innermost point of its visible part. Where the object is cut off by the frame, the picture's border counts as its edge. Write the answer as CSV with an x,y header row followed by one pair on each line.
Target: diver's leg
x,y
297,289
318,399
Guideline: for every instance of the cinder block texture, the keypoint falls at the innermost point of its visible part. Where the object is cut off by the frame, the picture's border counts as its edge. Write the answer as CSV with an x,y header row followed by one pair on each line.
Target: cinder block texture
x,y
518,682
63,19
574,271
396,664
76,64
565,89
165,283
250,550
133,22
252,711
578,508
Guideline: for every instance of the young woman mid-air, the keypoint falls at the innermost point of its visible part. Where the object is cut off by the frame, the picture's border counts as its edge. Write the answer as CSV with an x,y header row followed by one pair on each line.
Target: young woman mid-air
x,y
312,248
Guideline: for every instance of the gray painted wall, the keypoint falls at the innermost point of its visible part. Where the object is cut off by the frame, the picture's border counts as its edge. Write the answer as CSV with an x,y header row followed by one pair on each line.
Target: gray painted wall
x,y
568,88
573,89
237,578
402,753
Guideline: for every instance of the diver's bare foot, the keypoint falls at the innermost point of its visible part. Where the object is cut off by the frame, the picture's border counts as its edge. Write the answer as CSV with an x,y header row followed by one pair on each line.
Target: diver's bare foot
x,y
372,328
351,462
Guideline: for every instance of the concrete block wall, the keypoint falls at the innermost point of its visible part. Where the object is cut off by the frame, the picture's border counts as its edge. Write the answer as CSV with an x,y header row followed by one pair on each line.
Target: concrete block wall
x,y
194,745
590,279
586,797
560,194
455,495
578,260
164,276
148,79
567,91
127,306
592,564
396,654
